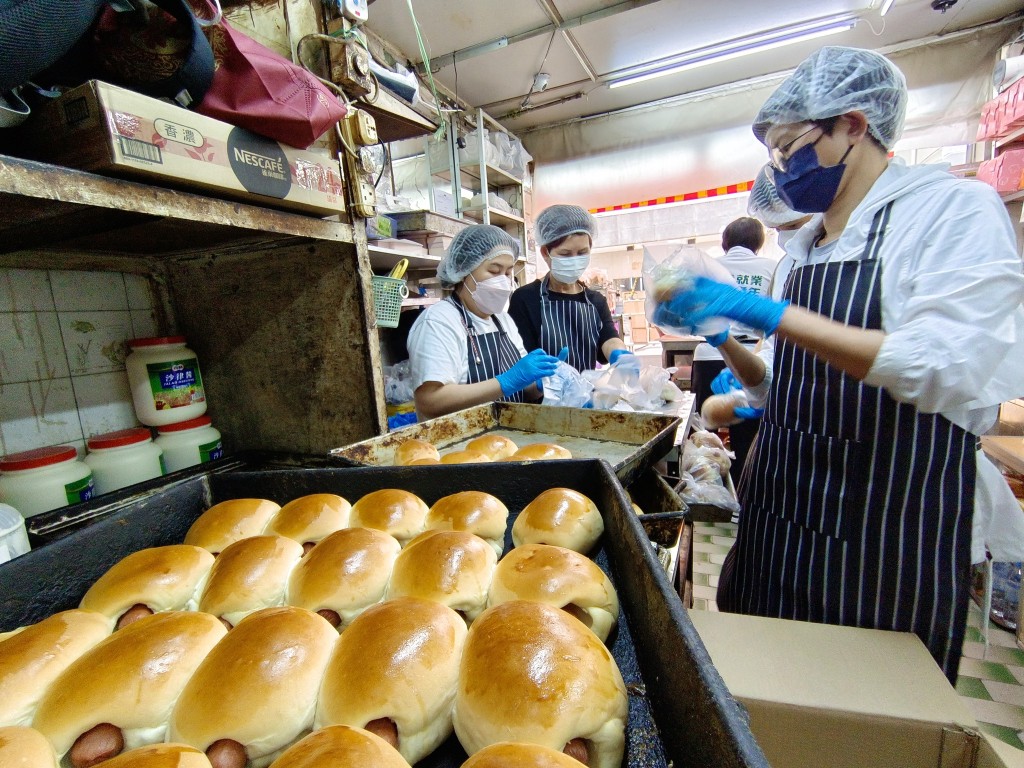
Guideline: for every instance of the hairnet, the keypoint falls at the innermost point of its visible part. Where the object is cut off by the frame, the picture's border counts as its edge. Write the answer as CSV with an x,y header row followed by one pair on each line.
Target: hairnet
x,y
470,248
765,205
560,221
835,81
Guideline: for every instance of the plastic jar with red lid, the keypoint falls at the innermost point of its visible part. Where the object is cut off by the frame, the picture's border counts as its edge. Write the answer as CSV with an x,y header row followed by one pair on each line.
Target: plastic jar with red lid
x,y
165,380
44,478
188,443
122,458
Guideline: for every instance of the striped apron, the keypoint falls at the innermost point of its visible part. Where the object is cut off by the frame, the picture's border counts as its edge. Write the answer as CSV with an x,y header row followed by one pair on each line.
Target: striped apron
x,y
856,508
489,354
572,324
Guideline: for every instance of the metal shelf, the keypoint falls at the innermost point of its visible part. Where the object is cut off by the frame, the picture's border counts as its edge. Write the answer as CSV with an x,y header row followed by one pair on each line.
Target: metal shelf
x,y
496,177
386,258
498,217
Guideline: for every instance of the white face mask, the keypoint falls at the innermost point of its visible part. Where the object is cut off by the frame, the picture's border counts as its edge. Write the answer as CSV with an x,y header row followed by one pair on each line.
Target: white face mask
x,y
785,235
569,269
491,295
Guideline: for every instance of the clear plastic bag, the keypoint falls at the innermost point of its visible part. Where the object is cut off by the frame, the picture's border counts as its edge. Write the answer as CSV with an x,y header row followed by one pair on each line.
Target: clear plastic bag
x,y
695,456
567,388
398,383
669,269
717,495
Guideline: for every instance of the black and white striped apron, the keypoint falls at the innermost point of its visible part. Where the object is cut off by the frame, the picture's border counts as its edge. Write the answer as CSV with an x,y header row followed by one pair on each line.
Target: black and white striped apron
x,y
489,354
856,508
572,324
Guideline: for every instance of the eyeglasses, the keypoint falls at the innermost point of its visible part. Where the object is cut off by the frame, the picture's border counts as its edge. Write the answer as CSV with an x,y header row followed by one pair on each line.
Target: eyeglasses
x,y
780,155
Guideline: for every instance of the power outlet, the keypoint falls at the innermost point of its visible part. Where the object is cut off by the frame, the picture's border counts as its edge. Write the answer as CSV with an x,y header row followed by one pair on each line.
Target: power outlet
x,y
364,196
359,128
350,68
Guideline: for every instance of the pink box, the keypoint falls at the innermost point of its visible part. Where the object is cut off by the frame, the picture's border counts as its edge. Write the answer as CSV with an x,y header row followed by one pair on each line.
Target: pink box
x,y
1003,172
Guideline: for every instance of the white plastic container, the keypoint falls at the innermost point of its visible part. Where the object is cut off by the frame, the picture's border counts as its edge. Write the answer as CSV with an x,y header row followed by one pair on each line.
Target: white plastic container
x,y
44,479
165,380
13,536
189,443
122,458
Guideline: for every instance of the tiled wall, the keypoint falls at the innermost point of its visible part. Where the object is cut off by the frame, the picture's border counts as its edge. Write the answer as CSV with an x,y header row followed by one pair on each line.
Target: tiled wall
x,y
63,341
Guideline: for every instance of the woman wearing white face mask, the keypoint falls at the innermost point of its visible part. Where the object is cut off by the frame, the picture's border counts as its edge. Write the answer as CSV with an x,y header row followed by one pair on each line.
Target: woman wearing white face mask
x,y
466,350
558,311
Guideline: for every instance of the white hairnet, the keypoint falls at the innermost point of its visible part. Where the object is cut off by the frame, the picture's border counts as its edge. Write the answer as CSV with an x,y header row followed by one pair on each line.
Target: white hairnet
x,y
559,221
470,248
765,205
835,81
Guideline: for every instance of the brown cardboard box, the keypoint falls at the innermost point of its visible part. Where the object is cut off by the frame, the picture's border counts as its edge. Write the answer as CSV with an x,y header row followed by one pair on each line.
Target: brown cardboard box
x,y
100,127
842,697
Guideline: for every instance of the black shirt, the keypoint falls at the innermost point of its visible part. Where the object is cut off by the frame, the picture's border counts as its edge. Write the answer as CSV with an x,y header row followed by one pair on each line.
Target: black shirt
x,y
524,307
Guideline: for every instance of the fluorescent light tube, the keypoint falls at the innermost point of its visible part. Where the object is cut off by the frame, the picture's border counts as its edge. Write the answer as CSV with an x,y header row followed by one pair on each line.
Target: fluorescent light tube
x,y
761,41
886,5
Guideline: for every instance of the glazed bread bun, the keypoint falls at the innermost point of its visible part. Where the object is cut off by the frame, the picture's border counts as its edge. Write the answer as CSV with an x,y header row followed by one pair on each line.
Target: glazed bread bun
x,y
344,574
415,450
719,411
474,512
120,694
562,517
160,756
255,693
494,447
559,577
574,702
30,660
340,746
394,673
426,461
230,521
453,568
396,512
309,519
509,755
249,575
149,581
22,747
541,452
465,457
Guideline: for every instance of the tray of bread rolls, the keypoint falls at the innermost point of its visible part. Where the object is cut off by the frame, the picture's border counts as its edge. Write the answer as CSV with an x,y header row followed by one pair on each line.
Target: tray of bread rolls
x,y
514,432
366,616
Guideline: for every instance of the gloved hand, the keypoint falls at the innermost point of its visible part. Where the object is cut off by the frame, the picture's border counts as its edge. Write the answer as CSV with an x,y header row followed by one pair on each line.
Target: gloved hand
x,y
563,354
725,382
532,368
624,359
717,339
708,298
748,413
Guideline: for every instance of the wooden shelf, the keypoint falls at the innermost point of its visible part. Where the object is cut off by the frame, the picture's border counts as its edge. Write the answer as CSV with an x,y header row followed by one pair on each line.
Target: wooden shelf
x,y
419,301
395,119
497,216
386,258
1010,197
1010,138
420,222
1007,450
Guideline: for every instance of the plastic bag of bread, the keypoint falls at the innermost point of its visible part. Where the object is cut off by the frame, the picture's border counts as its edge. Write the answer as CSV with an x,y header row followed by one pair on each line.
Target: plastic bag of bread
x,y
670,269
567,387
695,459
720,410
715,495
704,438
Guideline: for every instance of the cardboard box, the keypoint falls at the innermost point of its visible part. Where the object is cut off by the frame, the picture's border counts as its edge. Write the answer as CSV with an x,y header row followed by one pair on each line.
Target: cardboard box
x,y
842,697
100,127
381,227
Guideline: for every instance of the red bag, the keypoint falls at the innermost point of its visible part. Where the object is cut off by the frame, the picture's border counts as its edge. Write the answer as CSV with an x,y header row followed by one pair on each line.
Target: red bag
x,y
257,89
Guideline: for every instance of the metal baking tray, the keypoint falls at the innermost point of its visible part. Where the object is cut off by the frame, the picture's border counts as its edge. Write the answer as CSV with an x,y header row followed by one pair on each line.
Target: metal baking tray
x,y
681,713
630,442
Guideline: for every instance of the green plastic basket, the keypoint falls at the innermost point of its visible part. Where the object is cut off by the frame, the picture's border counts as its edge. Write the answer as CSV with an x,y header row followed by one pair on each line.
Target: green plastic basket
x,y
388,293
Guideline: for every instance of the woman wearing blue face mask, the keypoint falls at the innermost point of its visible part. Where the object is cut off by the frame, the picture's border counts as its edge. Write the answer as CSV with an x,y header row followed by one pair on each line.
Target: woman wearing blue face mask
x,y
898,332
466,350
559,311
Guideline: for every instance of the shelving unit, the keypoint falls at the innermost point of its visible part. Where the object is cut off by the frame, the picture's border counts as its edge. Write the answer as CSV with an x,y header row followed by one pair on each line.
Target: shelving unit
x,y
387,258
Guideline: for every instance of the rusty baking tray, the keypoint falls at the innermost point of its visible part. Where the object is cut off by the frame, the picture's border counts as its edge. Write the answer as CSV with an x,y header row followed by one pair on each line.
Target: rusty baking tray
x,y
681,713
630,442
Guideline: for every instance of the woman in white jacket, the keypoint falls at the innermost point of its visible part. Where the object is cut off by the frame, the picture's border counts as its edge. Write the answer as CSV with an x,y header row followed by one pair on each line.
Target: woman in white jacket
x,y
899,331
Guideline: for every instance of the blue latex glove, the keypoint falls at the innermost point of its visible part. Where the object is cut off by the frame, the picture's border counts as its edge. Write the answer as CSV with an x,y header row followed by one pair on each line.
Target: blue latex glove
x,y
563,354
708,299
725,382
616,354
717,339
530,369
748,413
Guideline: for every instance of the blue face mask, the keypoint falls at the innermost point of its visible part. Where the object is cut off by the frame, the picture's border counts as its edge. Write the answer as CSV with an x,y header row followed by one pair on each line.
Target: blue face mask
x,y
806,186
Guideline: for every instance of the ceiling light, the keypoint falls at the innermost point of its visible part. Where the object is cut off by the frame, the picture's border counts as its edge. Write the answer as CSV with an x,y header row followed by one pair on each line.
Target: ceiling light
x,y
886,5
732,49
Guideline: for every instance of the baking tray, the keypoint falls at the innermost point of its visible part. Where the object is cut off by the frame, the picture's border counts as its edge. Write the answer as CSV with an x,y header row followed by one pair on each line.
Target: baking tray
x,y
670,677
630,442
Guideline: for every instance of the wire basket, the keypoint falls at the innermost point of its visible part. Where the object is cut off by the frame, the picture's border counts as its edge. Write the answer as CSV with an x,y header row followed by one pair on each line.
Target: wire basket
x,y
388,293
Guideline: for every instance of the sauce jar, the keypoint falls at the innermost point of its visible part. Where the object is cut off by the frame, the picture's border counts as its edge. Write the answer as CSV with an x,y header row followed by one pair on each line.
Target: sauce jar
x,y
165,380
123,458
44,479
188,443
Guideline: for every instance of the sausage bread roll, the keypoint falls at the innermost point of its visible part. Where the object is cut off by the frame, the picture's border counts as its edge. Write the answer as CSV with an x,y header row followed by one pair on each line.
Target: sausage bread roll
x,y
338,746
474,512
394,673
506,754
465,457
562,517
415,450
530,672
230,521
160,756
494,447
344,574
396,512
150,581
309,519
540,452
22,747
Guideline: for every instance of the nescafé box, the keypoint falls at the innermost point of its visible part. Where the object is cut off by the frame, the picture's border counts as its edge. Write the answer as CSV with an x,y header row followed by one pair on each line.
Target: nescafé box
x,y
101,127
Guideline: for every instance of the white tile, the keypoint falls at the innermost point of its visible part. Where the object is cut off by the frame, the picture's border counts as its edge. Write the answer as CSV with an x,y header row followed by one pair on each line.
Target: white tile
x,y
144,324
139,290
31,347
96,342
38,413
1007,693
25,290
88,291
995,712
104,402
